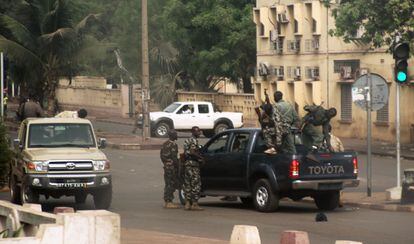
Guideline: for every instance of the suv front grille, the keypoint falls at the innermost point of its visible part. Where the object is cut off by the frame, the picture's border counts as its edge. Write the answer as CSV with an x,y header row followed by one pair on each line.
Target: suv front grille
x,y
71,166
72,180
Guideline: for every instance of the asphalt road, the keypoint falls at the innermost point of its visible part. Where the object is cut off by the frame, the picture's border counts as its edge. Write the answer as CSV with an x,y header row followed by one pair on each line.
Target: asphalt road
x,y
138,190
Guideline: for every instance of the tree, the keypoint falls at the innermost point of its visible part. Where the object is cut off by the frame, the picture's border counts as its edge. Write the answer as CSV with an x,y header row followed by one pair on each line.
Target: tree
x,y
43,43
5,155
214,39
381,21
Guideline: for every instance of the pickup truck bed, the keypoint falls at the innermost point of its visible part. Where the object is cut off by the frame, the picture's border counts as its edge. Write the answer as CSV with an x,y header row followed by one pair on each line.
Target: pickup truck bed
x,y
235,165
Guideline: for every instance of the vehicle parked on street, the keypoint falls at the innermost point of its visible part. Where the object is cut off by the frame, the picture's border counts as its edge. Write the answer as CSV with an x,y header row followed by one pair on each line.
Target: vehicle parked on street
x,y
59,157
235,165
182,116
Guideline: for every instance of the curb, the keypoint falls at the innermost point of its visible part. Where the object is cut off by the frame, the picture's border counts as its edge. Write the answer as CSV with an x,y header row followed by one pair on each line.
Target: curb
x,y
385,154
113,122
133,146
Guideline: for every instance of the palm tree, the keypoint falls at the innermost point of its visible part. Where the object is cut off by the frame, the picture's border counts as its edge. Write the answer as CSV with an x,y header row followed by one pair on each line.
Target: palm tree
x,y
43,43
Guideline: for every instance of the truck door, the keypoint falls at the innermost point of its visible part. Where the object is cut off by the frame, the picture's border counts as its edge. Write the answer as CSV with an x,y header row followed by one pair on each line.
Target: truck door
x,y
236,166
185,117
205,119
214,171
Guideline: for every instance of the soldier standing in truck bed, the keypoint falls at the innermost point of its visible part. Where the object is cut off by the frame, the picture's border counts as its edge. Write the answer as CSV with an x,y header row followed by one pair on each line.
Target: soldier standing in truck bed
x,y
169,157
192,179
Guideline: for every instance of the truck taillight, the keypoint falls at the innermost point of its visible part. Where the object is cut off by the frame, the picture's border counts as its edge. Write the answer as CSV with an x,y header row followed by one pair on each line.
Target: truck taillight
x,y
294,169
355,163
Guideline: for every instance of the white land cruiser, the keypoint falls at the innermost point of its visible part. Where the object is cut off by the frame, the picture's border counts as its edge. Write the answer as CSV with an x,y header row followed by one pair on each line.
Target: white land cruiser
x,y
182,116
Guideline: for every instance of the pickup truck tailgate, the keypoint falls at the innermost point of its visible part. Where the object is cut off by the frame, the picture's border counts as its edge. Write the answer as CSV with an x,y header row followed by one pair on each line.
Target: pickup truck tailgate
x,y
318,166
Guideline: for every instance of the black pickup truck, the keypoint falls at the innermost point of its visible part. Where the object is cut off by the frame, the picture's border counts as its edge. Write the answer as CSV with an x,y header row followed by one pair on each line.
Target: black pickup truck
x,y
235,165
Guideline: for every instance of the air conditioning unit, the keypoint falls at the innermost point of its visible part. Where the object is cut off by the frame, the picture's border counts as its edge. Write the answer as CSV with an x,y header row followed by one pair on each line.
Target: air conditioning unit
x,y
315,43
346,72
274,36
279,72
315,73
282,18
263,69
297,73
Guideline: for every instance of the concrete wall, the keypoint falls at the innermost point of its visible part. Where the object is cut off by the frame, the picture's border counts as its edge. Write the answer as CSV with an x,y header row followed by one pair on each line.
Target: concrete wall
x,y
326,87
244,103
85,81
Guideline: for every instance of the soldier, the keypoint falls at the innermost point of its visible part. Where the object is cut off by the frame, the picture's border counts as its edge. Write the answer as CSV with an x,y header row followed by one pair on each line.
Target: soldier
x,y
192,180
311,134
289,116
169,152
268,128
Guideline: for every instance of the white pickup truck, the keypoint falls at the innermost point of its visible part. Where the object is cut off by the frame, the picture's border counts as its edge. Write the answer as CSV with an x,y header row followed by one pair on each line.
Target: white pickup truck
x,y
182,116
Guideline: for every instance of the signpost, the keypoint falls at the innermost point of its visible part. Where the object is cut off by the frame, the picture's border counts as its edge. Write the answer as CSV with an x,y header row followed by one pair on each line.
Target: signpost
x,y
370,92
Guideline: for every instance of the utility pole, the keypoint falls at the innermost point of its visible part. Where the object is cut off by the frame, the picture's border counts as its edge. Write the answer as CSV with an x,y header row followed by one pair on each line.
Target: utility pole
x,y
145,71
1,87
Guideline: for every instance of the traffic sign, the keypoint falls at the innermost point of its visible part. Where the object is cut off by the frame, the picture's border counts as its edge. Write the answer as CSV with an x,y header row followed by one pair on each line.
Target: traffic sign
x,y
379,91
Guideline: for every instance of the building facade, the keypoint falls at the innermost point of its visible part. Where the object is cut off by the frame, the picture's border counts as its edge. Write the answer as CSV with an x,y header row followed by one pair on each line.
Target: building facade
x,y
296,55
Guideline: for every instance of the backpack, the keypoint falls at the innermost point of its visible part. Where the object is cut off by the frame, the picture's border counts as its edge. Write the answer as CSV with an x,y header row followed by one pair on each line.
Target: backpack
x,y
316,115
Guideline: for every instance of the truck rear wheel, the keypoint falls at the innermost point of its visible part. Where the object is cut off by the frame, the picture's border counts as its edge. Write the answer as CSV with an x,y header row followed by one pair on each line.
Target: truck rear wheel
x,y
264,199
14,191
27,195
161,129
103,198
327,200
220,127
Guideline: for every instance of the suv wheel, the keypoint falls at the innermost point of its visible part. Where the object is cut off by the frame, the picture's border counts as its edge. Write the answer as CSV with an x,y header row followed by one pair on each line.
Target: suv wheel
x,y
27,195
80,198
264,199
103,198
220,127
14,191
327,200
161,130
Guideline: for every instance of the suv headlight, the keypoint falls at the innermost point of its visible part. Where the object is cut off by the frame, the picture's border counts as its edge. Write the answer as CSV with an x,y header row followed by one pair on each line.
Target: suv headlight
x,y
101,165
38,166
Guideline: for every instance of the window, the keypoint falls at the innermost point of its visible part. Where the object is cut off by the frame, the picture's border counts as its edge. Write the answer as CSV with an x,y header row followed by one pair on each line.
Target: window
x,y
296,26
314,25
240,142
186,109
218,145
346,102
203,109
383,114
260,145
279,28
354,64
261,29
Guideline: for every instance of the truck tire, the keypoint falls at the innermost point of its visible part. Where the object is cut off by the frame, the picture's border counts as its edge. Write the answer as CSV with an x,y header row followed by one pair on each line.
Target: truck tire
x,y
27,195
327,200
220,127
14,191
208,133
80,198
103,198
264,199
161,129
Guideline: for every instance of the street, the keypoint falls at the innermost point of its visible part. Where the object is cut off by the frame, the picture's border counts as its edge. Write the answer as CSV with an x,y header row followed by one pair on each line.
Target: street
x,y
138,189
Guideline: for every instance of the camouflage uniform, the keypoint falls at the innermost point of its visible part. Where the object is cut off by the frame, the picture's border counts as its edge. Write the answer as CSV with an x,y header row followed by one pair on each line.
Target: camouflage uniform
x,y
169,158
290,117
192,180
281,126
268,130
315,127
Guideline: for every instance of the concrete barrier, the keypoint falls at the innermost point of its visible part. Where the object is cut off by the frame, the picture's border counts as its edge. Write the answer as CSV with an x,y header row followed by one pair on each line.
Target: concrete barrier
x,y
245,234
33,226
294,237
347,242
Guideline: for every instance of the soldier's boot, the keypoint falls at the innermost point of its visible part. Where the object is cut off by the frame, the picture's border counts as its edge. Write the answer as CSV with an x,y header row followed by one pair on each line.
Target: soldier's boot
x,y
187,205
170,205
196,207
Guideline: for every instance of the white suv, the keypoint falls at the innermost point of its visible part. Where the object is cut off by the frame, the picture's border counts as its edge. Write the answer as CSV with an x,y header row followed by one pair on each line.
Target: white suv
x,y
182,116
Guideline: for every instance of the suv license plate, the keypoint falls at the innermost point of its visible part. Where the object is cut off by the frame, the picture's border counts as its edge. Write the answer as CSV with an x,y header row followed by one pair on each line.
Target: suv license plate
x,y
72,185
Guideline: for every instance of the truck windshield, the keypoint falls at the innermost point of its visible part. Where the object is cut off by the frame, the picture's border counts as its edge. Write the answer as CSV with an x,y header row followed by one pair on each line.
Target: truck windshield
x,y
172,107
61,135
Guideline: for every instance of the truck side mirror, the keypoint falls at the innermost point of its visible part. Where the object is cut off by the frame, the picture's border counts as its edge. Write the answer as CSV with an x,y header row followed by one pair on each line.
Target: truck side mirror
x,y
102,143
17,144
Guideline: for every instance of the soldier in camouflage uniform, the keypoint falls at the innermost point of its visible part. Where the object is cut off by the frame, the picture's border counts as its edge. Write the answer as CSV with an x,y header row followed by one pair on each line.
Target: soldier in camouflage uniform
x,y
291,118
169,158
192,180
268,128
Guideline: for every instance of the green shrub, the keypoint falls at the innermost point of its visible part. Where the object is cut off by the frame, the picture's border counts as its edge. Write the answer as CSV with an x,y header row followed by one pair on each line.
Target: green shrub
x,y
5,155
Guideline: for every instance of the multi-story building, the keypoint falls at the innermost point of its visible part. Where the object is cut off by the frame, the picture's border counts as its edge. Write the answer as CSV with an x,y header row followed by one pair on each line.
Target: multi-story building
x,y
296,55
